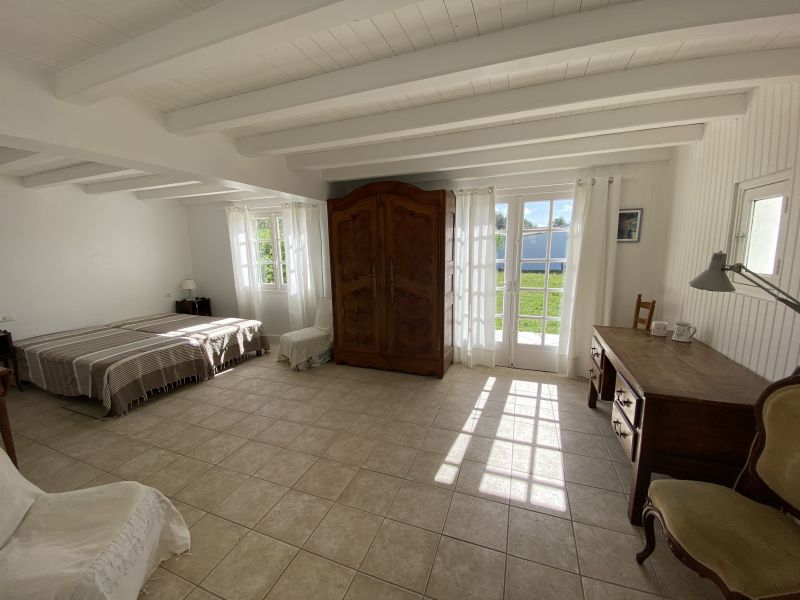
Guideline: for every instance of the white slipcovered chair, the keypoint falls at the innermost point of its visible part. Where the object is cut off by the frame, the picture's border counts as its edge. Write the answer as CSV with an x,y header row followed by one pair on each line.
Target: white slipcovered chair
x,y
312,346
100,543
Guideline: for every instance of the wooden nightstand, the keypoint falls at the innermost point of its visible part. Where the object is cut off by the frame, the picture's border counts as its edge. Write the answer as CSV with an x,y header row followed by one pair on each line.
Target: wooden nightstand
x,y
8,355
198,306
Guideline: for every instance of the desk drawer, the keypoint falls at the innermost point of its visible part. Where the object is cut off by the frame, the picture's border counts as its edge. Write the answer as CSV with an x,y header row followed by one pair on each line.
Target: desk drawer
x,y
627,400
624,431
596,351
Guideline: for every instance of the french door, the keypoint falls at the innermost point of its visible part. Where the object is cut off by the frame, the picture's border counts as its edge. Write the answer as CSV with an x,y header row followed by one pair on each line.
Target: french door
x,y
532,240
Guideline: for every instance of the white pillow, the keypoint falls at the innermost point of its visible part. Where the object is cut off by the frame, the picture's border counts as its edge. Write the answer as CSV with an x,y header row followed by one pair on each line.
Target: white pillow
x,y
16,496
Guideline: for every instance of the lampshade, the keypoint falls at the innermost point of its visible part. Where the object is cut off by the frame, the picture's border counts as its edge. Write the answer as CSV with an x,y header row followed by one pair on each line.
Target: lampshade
x,y
714,278
188,284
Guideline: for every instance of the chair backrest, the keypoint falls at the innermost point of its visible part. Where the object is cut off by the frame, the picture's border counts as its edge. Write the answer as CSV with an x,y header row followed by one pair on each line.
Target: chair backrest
x,y
324,319
638,319
772,474
16,496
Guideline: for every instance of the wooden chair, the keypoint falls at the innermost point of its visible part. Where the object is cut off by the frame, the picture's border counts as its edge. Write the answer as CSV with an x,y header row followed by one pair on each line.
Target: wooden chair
x,y
744,539
638,319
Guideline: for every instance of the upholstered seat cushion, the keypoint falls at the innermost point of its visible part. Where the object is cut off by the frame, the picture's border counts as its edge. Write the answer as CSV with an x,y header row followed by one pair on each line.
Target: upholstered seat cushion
x,y
754,548
303,344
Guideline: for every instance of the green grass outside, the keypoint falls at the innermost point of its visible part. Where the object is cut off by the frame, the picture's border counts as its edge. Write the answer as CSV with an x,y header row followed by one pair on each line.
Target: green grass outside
x,y
532,303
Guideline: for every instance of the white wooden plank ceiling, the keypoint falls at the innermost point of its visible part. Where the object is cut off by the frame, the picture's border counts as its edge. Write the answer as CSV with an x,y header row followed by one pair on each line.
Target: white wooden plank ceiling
x,y
55,35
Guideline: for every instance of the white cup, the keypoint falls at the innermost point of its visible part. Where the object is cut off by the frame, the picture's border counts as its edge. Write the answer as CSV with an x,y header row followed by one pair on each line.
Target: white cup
x,y
659,328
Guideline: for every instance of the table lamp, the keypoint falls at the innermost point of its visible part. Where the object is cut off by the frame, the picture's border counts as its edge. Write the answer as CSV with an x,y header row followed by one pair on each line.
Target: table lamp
x,y
715,279
189,284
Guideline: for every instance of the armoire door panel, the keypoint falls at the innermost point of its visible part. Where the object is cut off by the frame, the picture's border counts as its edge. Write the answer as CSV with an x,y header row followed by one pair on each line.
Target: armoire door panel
x,y
354,251
411,246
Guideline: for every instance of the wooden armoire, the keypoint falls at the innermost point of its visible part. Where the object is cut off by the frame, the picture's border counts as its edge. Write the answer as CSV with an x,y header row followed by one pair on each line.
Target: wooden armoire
x,y
391,249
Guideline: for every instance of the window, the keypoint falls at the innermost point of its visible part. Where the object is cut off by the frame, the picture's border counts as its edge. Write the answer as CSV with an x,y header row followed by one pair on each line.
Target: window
x,y
759,227
270,250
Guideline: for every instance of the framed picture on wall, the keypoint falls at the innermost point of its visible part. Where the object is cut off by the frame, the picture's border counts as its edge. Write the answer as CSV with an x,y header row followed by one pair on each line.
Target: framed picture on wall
x,y
629,226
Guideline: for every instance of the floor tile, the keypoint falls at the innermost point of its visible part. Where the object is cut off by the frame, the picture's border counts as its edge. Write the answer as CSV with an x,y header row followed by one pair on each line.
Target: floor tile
x,y
600,590
190,514
371,491
217,448
212,539
678,582
421,505
338,420
591,472
201,594
402,554
251,427
163,585
160,432
344,535
310,576
478,521
145,464
526,580
208,490
391,459
286,467
351,449
188,439
602,508
365,587
434,469
177,475
294,517
249,457
314,440
541,494
326,479
602,556
250,502
486,481
305,414
250,569
464,571
585,444
222,419
281,433
542,538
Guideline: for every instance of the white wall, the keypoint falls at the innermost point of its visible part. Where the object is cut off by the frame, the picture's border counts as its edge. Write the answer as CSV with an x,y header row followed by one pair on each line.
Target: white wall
x,y
211,256
641,266
759,334
69,260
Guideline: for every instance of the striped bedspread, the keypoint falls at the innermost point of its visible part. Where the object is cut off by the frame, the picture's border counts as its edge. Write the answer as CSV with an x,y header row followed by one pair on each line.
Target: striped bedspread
x,y
116,366
223,339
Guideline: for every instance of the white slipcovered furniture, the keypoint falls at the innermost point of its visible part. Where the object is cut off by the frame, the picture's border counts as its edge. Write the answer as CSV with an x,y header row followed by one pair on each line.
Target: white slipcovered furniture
x,y
99,543
312,346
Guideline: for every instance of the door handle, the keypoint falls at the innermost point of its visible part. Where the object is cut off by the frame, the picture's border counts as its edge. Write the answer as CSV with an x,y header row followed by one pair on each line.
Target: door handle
x,y
374,281
391,280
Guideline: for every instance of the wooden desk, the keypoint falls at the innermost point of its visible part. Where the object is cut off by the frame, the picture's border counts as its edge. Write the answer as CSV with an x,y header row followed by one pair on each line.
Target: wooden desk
x,y
680,409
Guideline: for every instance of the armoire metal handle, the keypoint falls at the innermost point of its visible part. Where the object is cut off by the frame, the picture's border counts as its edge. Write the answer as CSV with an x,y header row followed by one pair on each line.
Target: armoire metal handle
x,y
391,280
374,281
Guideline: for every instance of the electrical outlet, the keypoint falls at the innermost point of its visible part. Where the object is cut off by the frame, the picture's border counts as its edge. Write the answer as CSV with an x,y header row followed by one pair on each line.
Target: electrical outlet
x,y
167,295
6,318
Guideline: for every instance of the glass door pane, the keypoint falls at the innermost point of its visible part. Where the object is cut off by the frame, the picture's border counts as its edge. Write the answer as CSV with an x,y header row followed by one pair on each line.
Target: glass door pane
x,y
501,238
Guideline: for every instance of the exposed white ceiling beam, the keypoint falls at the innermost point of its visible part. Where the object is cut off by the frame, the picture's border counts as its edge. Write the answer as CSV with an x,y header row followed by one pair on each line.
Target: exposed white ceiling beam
x,y
184,191
612,142
662,114
234,197
646,23
656,82
132,184
10,155
73,174
206,37
521,172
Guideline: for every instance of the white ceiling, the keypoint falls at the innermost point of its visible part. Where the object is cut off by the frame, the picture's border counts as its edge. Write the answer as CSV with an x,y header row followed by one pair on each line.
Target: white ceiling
x,y
55,35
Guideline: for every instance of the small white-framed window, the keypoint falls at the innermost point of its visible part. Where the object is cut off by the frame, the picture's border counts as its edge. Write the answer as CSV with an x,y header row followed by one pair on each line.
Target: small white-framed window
x,y
758,231
269,249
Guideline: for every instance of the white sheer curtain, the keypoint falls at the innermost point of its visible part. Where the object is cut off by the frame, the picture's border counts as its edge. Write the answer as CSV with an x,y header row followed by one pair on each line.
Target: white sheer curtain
x,y
248,296
474,277
307,260
590,269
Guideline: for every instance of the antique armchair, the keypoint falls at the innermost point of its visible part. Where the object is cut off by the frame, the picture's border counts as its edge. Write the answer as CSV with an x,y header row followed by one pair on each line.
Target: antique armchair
x,y
745,539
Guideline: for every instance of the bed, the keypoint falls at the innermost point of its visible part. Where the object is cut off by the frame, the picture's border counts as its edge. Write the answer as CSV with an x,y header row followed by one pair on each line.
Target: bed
x,y
224,340
117,366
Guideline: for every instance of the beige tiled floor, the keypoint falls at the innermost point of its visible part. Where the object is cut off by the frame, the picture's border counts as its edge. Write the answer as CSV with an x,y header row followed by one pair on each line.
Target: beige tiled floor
x,y
365,485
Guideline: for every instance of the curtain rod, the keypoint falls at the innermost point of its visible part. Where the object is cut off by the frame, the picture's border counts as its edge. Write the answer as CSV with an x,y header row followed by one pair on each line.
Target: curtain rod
x,y
593,180
462,191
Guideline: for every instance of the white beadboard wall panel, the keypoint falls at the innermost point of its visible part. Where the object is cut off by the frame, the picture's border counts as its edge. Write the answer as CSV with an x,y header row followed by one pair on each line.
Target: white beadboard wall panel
x,y
758,333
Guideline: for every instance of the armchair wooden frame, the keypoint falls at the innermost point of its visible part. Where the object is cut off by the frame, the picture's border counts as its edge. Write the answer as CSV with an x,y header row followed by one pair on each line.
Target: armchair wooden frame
x,y
749,484
638,319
